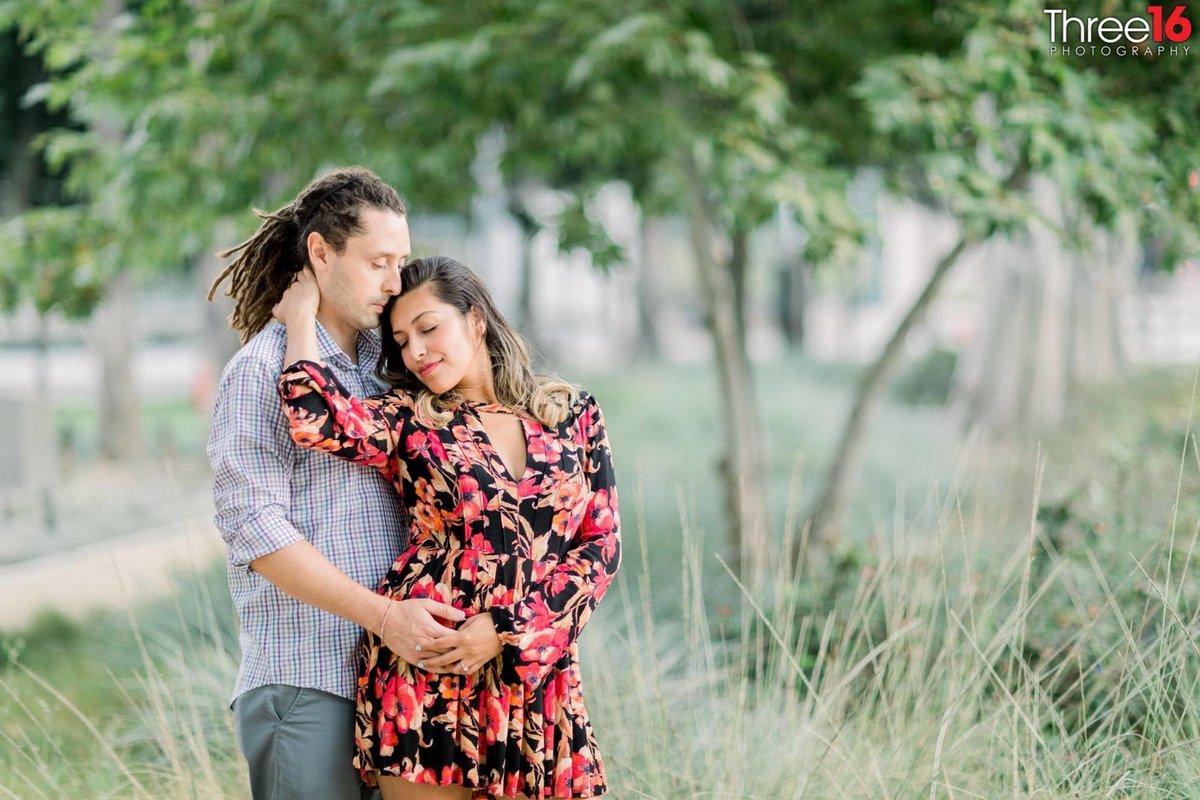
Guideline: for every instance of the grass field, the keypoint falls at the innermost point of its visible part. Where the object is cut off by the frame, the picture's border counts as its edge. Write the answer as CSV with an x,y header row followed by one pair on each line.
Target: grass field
x,y
934,653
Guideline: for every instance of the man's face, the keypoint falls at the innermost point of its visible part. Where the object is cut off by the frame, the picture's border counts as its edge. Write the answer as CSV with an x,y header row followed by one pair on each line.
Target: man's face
x,y
356,283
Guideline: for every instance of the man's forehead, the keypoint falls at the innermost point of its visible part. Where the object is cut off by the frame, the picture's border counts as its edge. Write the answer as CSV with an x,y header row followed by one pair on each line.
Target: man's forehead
x,y
372,218
383,236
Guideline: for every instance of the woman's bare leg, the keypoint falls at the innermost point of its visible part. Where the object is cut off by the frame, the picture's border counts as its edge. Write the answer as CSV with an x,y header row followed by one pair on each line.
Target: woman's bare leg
x,y
399,789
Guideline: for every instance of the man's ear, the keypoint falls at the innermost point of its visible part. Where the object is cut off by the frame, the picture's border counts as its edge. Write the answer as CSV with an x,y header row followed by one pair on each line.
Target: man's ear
x,y
318,253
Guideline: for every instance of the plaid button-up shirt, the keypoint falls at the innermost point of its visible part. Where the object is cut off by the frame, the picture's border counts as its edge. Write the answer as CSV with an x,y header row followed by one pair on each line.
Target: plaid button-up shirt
x,y
269,494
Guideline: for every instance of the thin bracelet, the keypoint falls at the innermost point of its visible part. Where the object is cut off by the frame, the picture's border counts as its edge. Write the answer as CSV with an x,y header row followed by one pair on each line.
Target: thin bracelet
x,y
386,611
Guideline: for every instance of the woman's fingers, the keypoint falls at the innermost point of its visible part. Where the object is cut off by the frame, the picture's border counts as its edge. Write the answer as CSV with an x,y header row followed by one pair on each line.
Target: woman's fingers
x,y
426,649
458,639
438,648
442,663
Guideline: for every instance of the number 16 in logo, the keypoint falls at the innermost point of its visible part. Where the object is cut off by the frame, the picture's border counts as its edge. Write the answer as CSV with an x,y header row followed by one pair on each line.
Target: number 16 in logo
x,y
1176,27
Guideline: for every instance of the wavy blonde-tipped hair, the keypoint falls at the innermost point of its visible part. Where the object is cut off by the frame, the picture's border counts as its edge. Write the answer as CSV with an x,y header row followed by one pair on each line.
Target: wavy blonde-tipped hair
x,y
545,398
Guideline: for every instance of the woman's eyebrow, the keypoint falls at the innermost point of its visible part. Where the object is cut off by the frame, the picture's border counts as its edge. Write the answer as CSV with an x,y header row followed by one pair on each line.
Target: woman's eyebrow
x,y
396,333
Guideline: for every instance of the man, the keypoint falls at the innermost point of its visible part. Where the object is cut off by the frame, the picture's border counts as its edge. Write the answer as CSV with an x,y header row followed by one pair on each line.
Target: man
x,y
308,534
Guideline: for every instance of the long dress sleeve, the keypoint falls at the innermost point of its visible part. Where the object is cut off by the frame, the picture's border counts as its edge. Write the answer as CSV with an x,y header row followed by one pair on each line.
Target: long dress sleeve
x,y
537,630
324,416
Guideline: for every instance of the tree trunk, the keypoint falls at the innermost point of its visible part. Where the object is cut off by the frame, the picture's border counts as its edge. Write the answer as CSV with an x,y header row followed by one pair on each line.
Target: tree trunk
x,y
648,298
981,397
18,189
744,463
793,298
42,474
1099,278
1052,326
1042,361
112,324
220,342
47,469
526,314
739,258
120,407
835,495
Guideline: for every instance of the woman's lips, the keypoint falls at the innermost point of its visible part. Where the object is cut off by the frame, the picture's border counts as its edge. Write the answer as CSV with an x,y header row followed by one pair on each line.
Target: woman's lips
x,y
428,368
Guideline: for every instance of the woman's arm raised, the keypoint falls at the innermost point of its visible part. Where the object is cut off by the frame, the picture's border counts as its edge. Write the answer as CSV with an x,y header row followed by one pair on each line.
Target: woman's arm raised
x,y
321,413
297,309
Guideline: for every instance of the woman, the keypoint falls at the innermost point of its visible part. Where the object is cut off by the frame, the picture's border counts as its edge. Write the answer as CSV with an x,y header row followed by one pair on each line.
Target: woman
x,y
509,483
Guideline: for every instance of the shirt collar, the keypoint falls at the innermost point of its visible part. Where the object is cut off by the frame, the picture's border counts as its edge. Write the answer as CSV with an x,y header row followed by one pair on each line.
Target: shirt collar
x,y
368,348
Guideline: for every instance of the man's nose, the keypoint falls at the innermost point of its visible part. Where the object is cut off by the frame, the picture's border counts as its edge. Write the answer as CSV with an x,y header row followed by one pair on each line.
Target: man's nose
x,y
391,282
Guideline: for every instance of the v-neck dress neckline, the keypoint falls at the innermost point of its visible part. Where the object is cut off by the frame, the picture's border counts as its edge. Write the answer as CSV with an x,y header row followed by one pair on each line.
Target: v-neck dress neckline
x,y
484,440
490,407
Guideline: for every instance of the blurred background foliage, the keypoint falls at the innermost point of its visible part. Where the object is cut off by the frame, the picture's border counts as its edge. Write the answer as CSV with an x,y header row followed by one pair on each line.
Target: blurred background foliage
x,y
174,117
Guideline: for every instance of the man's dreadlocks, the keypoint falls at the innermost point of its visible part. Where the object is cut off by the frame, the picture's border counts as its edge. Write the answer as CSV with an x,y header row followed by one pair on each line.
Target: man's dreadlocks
x,y
268,261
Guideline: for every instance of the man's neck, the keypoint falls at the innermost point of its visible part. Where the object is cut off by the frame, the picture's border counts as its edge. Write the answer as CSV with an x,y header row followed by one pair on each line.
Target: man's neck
x,y
343,335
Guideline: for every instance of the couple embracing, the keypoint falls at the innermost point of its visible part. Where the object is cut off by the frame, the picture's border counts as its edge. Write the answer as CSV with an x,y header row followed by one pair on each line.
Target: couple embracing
x,y
418,526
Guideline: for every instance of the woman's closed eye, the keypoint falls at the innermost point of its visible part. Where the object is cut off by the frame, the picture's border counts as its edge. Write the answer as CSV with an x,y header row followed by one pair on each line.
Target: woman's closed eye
x,y
402,343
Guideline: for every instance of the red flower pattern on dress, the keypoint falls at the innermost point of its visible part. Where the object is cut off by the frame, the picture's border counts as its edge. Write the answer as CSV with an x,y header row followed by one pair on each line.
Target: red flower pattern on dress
x,y
548,451
537,555
427,445
600,518
471,499
398,704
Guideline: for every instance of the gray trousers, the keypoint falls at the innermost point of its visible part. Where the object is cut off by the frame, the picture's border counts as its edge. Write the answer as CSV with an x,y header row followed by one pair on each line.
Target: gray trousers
x,y
298,743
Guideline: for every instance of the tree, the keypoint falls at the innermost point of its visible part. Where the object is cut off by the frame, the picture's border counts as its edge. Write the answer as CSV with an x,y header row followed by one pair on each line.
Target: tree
x,y
720,112
226,105
24,185
982,127
177,117
669,101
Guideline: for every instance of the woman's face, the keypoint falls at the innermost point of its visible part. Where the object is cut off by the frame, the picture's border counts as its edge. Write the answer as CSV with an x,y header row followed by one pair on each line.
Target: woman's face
x,y
440,345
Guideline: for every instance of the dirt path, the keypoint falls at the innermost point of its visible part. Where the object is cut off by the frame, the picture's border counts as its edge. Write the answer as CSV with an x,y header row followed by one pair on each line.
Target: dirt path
x,y
109,574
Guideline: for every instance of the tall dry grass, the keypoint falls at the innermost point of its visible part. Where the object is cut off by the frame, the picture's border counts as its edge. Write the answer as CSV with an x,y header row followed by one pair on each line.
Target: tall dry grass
x,y
944,663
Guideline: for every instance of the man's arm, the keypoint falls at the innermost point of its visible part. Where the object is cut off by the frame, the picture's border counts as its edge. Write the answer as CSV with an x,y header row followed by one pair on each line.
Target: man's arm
x,y
306,574
250,452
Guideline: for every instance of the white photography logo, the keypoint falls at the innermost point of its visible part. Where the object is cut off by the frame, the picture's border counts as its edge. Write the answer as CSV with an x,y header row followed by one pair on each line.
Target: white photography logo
x,y
1161,33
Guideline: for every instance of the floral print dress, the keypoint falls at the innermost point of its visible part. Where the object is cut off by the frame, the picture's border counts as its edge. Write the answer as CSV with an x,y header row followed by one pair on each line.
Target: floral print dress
x,y
536,553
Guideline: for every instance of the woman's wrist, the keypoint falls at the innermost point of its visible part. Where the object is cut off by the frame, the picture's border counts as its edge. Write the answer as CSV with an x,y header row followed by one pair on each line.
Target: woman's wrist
x,y
300,321
502,619
373,616
383,623
301,340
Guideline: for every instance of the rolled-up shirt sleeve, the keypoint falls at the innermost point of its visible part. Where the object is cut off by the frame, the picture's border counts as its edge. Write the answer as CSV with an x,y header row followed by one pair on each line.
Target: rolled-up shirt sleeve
x,y
251,453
